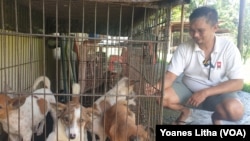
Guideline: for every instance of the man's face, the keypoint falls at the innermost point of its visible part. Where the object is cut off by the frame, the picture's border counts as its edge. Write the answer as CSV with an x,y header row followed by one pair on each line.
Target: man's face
x,y
201,31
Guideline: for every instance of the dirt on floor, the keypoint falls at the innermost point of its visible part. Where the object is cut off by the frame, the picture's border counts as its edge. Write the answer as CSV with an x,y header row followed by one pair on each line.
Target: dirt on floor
x,y
169,116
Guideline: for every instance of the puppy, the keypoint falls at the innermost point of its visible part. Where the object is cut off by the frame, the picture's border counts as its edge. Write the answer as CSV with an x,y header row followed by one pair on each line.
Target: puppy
x,y
121,91
21,114
72,119
120,124
48,96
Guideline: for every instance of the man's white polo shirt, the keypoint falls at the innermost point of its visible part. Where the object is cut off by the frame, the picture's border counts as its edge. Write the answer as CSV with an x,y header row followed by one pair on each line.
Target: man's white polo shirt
x,y
225,59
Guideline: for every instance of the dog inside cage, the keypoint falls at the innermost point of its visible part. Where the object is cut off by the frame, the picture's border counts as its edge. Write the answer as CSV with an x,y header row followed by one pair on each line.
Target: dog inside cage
x,y
75,70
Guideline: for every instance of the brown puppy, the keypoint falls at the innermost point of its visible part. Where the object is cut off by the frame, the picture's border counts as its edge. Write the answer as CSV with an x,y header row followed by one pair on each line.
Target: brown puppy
x,y
119,122
123,89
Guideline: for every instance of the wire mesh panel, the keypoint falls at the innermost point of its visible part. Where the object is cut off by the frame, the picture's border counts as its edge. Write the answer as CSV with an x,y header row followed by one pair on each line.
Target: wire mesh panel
x,y
89,42
18,57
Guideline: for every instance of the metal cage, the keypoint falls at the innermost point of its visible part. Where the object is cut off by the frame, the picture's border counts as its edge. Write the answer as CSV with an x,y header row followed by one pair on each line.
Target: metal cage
x,y
90,42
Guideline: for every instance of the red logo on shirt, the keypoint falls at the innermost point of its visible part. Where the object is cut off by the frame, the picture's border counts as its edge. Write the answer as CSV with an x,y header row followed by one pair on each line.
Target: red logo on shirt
x,y
218,64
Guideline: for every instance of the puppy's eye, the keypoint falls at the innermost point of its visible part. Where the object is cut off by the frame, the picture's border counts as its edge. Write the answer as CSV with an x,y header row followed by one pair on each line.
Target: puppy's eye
x,y
81,120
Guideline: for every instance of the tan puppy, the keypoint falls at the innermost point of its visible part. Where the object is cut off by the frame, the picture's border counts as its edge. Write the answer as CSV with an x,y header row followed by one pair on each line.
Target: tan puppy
x,y
72,119
120,124
123,90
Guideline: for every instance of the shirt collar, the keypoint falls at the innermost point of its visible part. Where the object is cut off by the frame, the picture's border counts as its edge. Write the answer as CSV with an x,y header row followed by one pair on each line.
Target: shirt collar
x,y
216,45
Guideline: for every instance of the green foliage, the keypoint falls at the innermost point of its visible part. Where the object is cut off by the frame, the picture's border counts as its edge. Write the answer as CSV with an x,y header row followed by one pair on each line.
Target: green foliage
x,y
228,19
228,12
246,87
246,34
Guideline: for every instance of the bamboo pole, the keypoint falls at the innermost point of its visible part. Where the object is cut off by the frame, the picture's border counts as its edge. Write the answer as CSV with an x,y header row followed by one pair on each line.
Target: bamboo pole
x,y
182,22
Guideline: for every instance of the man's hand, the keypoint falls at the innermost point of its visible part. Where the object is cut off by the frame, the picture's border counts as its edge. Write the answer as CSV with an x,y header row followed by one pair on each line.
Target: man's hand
x,y
197,98
150,89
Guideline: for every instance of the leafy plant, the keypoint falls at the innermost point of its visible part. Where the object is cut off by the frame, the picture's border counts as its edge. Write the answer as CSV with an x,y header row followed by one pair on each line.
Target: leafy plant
x,y
228,19
246,87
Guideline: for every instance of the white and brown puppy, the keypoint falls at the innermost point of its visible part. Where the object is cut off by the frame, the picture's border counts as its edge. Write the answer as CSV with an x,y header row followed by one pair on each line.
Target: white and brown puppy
x,y
72,119
120,124
121,91
21,114
44,92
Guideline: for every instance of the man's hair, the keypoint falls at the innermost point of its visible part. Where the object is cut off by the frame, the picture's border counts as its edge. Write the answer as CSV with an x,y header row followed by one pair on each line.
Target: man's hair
x,y
209,13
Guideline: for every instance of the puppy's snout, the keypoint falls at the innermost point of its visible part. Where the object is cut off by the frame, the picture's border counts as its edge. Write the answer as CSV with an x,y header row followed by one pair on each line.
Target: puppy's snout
x,y
72,136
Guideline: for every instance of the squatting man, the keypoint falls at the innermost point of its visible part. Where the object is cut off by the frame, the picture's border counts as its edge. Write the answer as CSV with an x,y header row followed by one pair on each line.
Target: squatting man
x,y
211,72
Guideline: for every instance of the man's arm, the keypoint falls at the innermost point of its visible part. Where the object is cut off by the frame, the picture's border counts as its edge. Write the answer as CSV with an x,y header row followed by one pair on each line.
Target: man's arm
x,y
169,78
225,87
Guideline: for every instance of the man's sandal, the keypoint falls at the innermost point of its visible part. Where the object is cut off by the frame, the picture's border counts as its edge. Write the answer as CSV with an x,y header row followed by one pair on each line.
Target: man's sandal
x,y
187,121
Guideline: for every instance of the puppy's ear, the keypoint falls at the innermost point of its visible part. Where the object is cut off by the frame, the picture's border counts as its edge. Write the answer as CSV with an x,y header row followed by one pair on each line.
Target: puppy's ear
x,y
17,102
104,105
59,108
91,112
